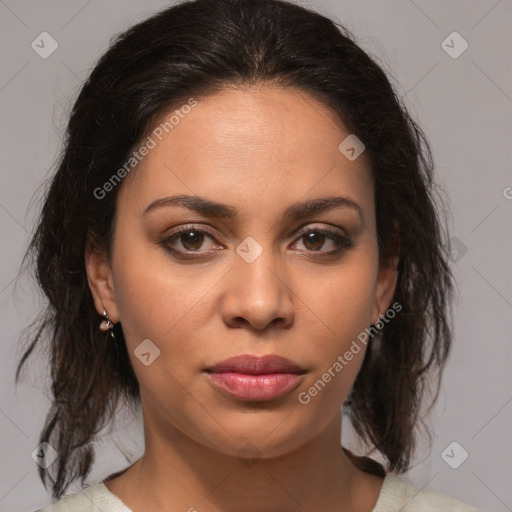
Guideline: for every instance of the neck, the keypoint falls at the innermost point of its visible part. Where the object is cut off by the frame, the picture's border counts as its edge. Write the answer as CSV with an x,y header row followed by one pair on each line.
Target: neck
x,y
177,473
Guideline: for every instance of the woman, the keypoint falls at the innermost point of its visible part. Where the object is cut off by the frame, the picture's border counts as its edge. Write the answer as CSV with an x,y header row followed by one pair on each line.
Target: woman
x,y
242,238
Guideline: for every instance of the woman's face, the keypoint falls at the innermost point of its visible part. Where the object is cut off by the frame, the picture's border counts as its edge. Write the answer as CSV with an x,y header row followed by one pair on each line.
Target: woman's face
x,y
255,274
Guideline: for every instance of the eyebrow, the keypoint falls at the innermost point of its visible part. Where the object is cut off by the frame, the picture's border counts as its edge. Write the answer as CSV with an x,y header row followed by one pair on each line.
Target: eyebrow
x,y
295,211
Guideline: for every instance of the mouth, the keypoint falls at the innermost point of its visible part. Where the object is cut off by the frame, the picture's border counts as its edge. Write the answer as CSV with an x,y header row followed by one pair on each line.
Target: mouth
x,y
254,378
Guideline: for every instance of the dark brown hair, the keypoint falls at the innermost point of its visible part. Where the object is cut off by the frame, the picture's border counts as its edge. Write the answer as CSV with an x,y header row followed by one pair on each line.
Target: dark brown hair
x,y
193,49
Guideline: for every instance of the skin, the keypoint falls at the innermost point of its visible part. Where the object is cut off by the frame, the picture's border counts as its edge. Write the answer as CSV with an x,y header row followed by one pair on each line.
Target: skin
x,y
259,150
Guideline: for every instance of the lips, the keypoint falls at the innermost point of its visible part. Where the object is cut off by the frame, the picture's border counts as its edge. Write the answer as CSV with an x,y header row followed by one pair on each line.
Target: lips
x,y
254,365
249,377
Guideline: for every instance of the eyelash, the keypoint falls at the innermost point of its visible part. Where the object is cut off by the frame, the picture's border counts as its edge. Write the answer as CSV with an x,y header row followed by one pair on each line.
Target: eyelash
x,y
342,242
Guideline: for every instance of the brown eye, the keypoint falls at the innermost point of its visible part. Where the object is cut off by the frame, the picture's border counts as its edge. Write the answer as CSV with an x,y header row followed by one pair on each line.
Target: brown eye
x,y
191,240
314,240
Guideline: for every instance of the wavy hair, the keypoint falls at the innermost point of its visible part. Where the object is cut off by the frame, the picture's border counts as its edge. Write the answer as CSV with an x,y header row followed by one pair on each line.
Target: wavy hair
x,y
195,48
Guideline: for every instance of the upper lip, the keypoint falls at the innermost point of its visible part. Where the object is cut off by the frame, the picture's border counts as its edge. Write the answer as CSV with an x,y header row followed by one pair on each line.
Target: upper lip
x,y
256,365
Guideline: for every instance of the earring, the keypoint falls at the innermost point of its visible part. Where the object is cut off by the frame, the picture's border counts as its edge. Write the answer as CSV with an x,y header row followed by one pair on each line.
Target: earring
x,y
106,325
376,324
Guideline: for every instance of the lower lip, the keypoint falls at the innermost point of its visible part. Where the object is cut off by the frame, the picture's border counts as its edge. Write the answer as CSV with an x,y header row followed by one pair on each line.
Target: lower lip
x,y
254,387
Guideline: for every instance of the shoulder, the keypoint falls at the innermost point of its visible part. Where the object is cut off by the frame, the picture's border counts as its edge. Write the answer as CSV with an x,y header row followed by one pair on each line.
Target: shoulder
x,y
91,499
398,494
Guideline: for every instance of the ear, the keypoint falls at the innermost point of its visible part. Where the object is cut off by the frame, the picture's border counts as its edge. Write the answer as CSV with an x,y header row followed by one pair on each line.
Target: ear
x,y
99,277
387,278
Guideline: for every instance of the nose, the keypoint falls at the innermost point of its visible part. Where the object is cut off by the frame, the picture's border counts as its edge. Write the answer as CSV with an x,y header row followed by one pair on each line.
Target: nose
x,y
257,294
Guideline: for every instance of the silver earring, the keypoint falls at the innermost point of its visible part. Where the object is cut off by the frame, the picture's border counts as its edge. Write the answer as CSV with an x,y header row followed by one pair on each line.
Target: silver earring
x,y
106,325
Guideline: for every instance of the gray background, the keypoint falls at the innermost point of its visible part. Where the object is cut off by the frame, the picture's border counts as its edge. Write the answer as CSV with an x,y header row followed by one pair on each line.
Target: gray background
x,y
464,105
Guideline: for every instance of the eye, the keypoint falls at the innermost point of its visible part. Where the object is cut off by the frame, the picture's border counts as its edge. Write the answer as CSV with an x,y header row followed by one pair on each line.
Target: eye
x,y
187,240
313,239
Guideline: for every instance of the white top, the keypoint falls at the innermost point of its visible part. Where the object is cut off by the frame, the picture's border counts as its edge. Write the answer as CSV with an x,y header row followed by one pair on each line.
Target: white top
x,y
396,495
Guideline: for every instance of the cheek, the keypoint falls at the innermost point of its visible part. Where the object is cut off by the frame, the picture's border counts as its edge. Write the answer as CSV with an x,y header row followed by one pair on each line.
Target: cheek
x,y
157,306
157,303
344,301
154,295
341,316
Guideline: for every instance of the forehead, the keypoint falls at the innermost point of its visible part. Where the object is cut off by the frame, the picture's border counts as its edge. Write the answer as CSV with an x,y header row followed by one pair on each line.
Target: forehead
x,y
256,147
